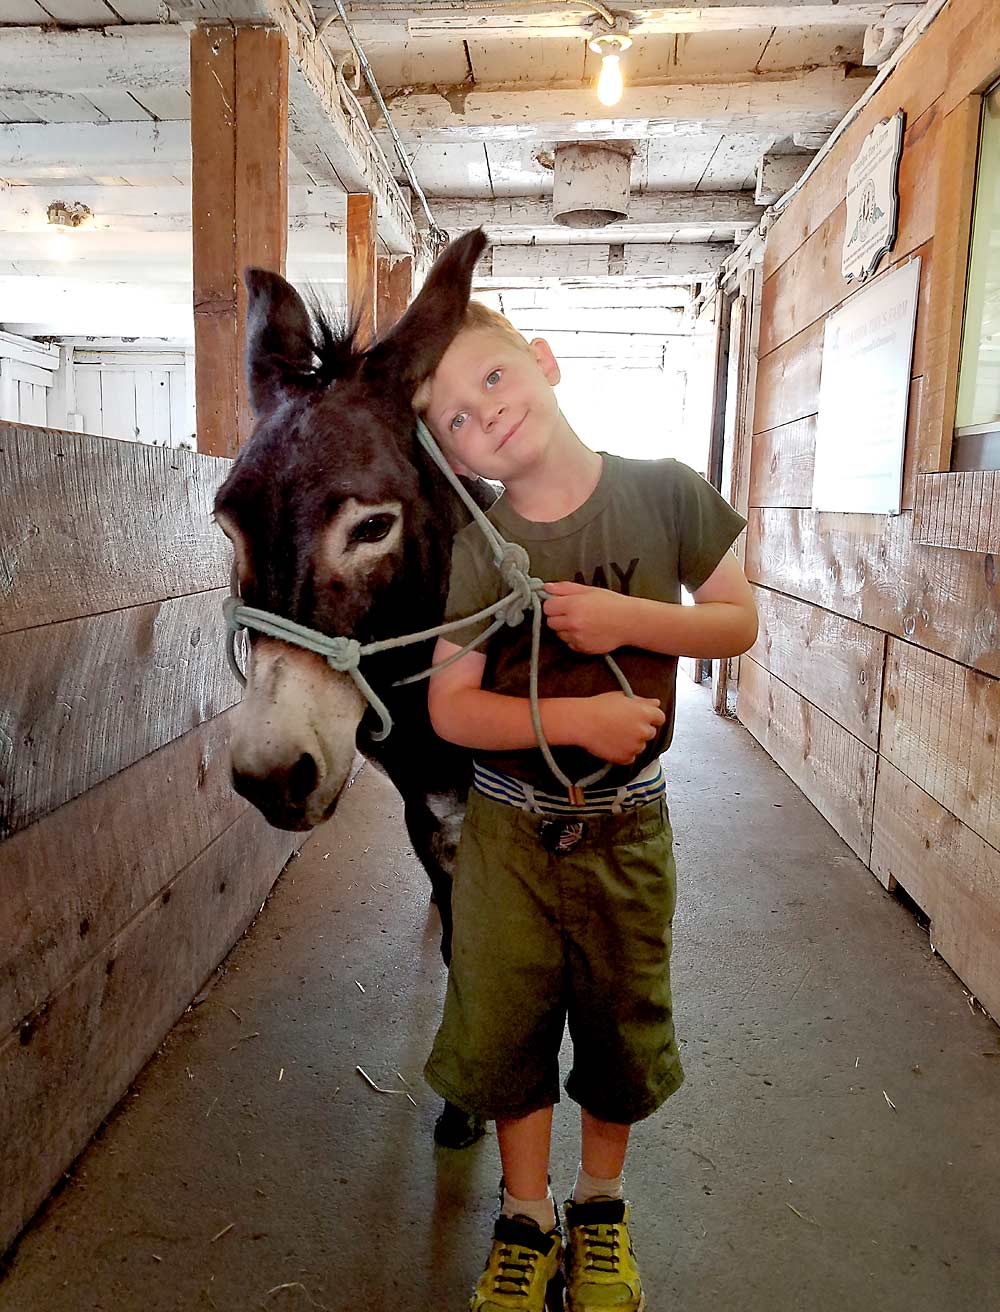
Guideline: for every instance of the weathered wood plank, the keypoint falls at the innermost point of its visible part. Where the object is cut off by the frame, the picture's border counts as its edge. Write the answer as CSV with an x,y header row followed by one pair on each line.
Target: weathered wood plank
x,y
85,698
782,461
961,511
63,1072
834,662
394,288
88,524
70,881
834,770
362,234
261,205
957,162
868,568
949,871
940,725
810,285
788,380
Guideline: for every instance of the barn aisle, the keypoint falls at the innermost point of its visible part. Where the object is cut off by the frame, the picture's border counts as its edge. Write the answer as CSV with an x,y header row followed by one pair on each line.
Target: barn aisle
x,y
252,1167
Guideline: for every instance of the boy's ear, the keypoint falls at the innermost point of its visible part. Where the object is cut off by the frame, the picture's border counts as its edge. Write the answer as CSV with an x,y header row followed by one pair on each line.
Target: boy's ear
x,y
412,350
545,359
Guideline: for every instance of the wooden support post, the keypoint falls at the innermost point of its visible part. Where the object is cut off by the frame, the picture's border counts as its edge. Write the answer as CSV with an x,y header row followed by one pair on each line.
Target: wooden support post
x,y
361,236
239,186
395,287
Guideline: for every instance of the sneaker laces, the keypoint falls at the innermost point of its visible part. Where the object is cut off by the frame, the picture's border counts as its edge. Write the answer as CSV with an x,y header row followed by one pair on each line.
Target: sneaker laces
x,y
600,1225
522,1245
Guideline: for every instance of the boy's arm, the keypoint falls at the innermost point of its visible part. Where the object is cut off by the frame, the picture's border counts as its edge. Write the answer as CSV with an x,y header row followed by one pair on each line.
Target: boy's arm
x,y
611,726
722,622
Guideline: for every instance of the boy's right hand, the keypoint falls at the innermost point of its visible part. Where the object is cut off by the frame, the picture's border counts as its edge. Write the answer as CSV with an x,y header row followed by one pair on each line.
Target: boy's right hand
x,y
617,728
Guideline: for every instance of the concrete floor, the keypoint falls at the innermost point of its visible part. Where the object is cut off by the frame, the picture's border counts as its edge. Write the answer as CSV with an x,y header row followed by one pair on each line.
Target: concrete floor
x,y
779,1178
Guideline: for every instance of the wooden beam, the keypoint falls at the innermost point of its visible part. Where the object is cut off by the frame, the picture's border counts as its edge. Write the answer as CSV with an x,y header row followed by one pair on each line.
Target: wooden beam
x,y
506,266
74,61
510,219
812,101
394,281
361,265
329,133
777,174
36,150
240,154
561,22
154,209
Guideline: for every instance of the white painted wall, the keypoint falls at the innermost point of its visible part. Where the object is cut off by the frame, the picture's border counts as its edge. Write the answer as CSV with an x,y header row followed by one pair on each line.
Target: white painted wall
x,y
118,389
27,369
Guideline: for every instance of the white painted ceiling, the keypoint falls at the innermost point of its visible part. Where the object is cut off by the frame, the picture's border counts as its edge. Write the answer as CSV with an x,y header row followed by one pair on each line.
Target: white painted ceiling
x,y
478,93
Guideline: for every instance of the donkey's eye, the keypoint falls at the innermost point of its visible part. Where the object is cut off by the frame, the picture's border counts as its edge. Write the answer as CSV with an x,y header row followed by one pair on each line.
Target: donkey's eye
x,y
493,378
373,529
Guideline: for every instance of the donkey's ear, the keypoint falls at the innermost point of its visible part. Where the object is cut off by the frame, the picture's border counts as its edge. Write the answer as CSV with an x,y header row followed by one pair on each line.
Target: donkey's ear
x,y
413,349
281,350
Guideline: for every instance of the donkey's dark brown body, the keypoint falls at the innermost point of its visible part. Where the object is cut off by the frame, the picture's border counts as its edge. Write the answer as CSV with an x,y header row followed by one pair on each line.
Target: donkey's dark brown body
x,y
340,522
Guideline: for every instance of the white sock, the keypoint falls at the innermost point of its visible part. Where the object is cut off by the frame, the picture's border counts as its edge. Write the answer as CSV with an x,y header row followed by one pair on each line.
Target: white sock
x,y
540,1210
591,1186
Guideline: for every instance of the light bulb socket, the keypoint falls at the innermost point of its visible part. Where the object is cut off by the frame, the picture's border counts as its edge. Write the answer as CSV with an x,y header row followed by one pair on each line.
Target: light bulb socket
x,y
71,214
610,38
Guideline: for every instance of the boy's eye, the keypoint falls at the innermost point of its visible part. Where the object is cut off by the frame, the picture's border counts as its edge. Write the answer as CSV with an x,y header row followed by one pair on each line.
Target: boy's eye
x,y
493,378
457,422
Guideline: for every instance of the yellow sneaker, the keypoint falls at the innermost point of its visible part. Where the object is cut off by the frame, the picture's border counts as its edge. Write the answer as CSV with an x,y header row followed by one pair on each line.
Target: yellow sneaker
x,y
522,1262
601,1273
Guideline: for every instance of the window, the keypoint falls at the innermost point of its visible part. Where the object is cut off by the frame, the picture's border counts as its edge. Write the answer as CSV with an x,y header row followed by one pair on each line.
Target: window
x,y
977,419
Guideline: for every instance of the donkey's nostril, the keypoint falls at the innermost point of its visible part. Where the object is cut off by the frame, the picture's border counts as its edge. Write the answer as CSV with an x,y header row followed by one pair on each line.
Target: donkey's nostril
x,y
302,778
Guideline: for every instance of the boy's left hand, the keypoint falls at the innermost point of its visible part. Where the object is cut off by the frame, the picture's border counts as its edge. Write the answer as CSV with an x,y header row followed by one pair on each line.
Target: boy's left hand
x,y
591,620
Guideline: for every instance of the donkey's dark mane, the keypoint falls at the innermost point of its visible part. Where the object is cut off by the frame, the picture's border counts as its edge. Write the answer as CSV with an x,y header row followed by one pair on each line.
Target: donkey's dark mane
x,y
336,343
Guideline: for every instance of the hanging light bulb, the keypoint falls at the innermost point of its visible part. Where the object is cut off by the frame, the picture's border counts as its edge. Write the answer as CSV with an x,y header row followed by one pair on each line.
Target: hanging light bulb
x,y
610,41
610,83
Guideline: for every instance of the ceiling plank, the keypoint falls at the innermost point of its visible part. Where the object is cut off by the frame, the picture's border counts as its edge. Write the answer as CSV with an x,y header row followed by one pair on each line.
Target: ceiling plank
x,y
652,217
36,149
373,25
90,59
513,266
812,101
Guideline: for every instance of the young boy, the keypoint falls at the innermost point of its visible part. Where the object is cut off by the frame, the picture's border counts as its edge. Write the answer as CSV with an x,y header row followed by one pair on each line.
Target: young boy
x,y
563,910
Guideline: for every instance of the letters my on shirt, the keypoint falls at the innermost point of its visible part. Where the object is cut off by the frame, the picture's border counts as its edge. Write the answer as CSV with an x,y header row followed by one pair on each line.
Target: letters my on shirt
x,y
600,579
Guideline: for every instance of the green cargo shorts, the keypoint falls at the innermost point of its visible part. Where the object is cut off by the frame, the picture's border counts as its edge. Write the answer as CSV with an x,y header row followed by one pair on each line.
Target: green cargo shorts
x,y
542,937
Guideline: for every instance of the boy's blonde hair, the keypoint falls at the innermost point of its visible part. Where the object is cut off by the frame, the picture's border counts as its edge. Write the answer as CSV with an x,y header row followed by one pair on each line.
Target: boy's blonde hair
x,y
478,318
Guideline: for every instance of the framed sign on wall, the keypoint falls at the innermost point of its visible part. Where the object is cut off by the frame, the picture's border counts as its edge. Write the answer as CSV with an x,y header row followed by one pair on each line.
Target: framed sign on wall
x,y
864,397
873,199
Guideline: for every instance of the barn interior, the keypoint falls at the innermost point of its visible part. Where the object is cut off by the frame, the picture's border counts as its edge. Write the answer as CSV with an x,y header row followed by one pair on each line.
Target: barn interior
x,y
213,1030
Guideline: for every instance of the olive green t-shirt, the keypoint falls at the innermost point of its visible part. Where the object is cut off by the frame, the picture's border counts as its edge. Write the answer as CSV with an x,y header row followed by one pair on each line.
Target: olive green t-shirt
x,y
649,527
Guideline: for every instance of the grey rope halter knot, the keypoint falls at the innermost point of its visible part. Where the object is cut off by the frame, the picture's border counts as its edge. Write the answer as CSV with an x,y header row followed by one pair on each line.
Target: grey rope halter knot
x,y
344,654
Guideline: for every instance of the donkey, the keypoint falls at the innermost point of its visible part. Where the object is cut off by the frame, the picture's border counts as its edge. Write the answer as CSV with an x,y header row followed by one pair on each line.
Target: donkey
x,y
340,522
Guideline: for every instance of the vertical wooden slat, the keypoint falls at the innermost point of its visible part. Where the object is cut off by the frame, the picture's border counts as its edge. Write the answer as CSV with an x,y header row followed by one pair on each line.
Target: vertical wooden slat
x,y
395,287
261,232
361,267
239,148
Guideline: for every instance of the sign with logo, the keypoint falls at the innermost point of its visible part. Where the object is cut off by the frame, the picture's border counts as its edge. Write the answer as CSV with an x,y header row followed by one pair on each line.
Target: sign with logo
x,y
873,199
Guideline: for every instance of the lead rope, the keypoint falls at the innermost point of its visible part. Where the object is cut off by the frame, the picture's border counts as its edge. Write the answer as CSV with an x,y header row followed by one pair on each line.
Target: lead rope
x,y
344,654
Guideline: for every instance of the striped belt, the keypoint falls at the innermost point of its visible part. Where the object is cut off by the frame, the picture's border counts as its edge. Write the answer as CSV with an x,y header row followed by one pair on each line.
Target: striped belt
x,y
645,787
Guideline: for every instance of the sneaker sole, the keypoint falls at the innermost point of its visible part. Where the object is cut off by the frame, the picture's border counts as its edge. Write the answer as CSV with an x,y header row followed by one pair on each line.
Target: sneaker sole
x,y
565,1307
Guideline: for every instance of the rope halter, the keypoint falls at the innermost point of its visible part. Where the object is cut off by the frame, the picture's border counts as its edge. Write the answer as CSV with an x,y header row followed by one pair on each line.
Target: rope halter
x,y
344,654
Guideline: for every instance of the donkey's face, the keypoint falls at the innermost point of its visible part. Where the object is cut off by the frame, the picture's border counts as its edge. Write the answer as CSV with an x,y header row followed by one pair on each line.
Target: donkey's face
x,y
327,508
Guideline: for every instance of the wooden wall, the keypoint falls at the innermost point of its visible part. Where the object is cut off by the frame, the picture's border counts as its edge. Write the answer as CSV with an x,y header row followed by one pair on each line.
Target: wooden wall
x,y
128,867
875,681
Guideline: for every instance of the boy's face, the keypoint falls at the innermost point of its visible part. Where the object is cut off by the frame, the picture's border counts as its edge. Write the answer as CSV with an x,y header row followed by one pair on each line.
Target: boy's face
x,y
492,406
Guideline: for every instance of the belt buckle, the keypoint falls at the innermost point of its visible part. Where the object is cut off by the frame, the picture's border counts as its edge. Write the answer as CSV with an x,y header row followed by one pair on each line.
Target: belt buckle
x,y
560,836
